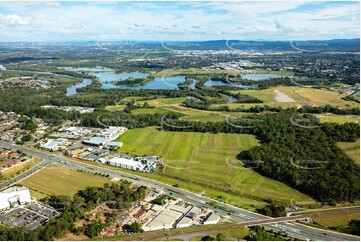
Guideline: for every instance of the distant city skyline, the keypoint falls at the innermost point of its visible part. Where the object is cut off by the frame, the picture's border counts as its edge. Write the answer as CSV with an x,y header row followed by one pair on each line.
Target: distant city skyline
x,y
178,21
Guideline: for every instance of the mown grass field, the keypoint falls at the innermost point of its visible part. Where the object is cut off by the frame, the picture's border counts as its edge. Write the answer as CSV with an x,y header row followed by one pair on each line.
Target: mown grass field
x,y
208,159
119,107
300,95
163,105
340,119
352,149
59,180
148,111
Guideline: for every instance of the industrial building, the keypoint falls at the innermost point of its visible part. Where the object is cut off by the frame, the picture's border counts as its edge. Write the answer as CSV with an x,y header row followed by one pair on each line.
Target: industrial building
x,y
126,163
211,218
14,196
164,220
106,136
193,212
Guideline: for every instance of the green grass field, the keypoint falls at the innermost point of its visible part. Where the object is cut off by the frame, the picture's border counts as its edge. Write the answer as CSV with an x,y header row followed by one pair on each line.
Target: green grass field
x,y
149,111
352,149
119,107
59,180
340,119
208,159
164,105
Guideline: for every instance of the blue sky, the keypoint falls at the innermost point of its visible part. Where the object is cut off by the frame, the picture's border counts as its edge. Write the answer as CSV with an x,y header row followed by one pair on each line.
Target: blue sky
x,y
246,20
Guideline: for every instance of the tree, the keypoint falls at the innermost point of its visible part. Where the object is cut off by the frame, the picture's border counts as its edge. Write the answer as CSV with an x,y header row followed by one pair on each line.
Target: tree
x,y
207,238
94,228
220,237
135,227
274,209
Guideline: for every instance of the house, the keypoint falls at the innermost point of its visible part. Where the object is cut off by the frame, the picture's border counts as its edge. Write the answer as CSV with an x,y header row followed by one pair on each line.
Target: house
x,y
14,196
4,153
14,155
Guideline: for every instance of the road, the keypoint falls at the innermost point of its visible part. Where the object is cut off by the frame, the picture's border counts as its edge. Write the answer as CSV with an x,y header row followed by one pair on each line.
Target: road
x,y
293,229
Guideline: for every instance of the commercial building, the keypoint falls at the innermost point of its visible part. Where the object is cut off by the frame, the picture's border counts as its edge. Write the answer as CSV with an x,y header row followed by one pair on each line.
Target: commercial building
x,y
54,144
14,196
211,218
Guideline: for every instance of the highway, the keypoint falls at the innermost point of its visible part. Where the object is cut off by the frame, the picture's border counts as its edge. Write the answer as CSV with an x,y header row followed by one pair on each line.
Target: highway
x,y
294,229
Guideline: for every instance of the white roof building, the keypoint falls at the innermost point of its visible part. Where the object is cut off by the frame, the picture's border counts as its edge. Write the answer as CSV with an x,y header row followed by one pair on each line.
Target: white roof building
x,y
126,163
14,196
54,144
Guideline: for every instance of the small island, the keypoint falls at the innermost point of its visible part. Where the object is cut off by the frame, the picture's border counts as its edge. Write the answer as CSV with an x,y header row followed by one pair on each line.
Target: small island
x,y
131,81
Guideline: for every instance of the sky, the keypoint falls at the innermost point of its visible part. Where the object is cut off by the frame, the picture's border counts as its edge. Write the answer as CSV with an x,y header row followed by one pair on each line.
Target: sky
x,y
178,21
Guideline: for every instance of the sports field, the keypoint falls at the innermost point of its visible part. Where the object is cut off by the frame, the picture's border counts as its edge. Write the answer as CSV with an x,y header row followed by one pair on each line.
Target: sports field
x,y
207,159
59,180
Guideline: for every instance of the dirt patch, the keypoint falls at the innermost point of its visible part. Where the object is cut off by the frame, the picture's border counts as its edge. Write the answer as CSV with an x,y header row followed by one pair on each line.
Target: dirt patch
x,y
283,98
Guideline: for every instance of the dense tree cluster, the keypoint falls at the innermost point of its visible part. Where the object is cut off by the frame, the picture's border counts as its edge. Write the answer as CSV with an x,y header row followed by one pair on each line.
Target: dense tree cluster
x,y
273,209
353,227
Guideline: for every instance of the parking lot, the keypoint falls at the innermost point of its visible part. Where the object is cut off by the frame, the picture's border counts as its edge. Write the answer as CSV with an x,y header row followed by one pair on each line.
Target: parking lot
x,y
30,216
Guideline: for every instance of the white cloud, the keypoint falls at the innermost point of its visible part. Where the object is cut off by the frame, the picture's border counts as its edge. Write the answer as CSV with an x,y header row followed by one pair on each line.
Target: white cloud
x,y
13,20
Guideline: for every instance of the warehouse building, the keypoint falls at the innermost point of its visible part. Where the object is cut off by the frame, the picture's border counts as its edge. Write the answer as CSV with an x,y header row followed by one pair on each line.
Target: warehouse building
x,y
126,163
211,218
164,220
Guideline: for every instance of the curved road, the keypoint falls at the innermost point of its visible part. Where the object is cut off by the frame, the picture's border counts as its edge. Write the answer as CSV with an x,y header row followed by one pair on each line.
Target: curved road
x,y
293,229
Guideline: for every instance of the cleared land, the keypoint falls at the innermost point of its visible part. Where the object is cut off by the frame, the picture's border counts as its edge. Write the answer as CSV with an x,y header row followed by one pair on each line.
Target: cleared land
x,y
59,180
330,218
352,149
301,95
207,159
